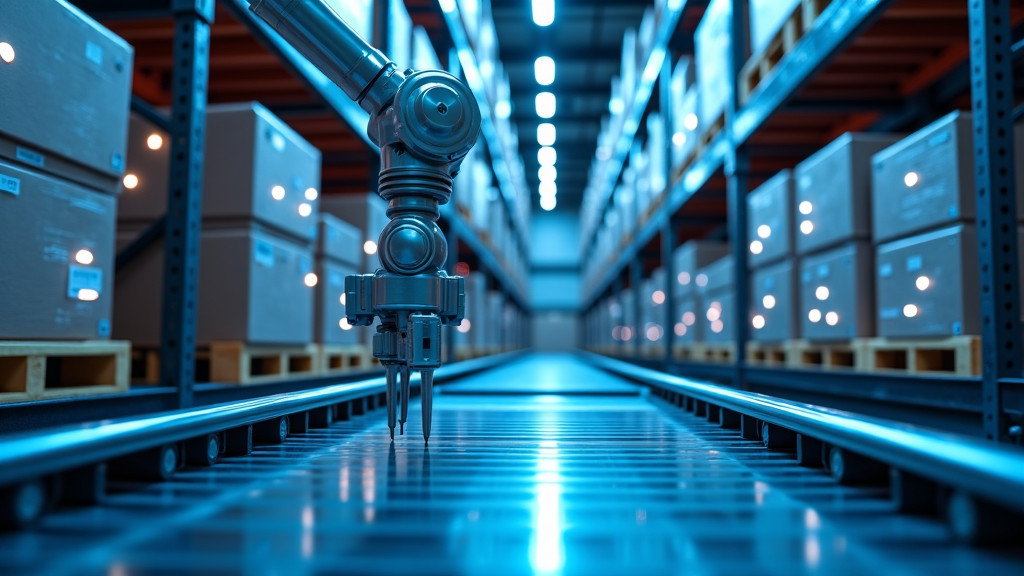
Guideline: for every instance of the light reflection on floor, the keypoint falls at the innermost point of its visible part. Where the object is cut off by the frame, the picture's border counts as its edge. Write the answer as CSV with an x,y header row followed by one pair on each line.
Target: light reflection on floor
x,y
548,484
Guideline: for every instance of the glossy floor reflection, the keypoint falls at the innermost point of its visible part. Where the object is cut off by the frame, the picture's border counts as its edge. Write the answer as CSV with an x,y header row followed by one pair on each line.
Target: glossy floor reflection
x,y
516,484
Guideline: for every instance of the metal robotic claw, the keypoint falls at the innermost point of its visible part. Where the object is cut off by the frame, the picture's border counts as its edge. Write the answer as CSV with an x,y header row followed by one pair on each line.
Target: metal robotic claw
x,y
425,123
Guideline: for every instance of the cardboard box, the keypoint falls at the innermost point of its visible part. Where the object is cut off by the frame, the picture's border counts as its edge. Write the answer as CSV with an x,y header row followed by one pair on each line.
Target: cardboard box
x,y
495,319
473,330
716,277
368,213
927,179
690,320
684,117
329,324
719,309
773,303
65,94
256,167
628,324
252,288
833,192
654,309
928,285
339,241
654,150
713,55
57,263
837,293
769,221
766,20
688,261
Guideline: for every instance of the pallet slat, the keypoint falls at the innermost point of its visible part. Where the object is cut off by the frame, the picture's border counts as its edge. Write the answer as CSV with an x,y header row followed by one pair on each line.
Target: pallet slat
x,y
41,370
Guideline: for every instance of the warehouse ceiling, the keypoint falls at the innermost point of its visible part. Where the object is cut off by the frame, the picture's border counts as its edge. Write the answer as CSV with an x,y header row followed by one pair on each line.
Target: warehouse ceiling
x,y
585,42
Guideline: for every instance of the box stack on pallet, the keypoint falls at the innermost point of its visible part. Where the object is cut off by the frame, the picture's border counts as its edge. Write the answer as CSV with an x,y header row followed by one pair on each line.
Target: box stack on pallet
x,y
260,217
717,291
775,27
63,130
339,253
773,269
470,335
832,220
653,298
690,316
926,248
712,49
685,121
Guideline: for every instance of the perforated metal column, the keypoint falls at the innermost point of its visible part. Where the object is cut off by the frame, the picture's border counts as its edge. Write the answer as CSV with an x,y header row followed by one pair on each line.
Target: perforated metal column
x,y
192,19
992,95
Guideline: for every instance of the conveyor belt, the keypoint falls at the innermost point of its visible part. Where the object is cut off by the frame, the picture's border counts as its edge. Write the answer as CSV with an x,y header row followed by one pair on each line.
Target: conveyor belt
x,y
602,480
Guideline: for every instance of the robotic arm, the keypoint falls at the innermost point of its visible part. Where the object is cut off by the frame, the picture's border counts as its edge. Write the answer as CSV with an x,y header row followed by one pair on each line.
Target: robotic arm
x,y
424,123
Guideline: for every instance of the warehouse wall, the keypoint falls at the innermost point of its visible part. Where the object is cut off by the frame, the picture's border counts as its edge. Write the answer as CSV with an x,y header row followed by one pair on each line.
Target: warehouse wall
x,y
554,279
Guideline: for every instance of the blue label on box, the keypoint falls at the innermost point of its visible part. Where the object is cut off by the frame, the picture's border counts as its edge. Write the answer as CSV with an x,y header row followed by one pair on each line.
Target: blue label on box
x,y
10,185
29,157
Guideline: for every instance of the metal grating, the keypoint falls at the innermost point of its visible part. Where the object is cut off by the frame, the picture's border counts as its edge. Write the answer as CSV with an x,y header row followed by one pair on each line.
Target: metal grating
x,y
514,484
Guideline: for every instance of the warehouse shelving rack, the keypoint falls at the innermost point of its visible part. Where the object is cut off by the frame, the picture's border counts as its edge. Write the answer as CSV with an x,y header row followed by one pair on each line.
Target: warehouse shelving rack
x,y
979,66
243,57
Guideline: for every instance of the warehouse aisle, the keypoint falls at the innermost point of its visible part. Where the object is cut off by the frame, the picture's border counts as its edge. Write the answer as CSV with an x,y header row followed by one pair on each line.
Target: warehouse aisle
x,y
597,481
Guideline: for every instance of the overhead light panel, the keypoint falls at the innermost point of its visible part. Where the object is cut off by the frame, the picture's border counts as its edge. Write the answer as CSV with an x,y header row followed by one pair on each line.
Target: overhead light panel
x,y
544,70
545,104
548,203
547,174
543,12
546,134
548,188
547,156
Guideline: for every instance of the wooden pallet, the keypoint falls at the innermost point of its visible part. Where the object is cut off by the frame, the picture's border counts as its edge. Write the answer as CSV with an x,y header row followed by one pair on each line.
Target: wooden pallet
x,y
334,359
953,355
242,363
40,370
768,353
843,355
717,353
707,135
761,65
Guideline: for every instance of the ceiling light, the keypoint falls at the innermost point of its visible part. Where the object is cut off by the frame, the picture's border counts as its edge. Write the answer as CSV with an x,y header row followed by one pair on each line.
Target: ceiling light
x,y
547,156
155,141
548,188
544,70
546,134
543,12
690,122
806,207
547,174
130,181
548,203
545,102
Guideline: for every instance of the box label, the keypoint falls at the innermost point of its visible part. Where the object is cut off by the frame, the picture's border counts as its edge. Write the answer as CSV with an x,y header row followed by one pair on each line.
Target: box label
x,y
885,270
914,263
84,278
889,313
336,279
263,253
823,271
29,157
103,328
10,185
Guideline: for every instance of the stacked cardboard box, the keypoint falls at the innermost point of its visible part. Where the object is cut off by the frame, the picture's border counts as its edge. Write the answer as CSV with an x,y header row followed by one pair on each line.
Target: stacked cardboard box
x,y
260,218
653,304
773,311
923,219
63,131
690,318
338,254
832,218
